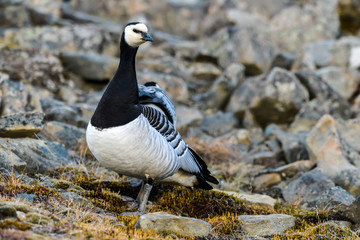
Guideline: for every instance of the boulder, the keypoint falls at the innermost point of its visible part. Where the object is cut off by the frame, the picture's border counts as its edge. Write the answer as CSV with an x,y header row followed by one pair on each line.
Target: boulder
x,y
39,156
90,66
164,222
70,136
234,45
266,225
353,212
187,117
343,81
14,96
259,200
21,125
325,147
220,91
289,29
218,123
273,98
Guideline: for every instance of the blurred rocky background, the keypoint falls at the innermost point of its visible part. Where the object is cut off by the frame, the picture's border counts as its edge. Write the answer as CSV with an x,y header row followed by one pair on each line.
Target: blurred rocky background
x,y
267,91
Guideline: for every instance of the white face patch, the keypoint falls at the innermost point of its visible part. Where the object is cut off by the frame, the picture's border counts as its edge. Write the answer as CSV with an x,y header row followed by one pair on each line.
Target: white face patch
x,y
135,38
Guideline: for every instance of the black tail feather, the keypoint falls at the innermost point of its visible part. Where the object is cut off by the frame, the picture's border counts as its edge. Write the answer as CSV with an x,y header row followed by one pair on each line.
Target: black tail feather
x,y
202,183
205,173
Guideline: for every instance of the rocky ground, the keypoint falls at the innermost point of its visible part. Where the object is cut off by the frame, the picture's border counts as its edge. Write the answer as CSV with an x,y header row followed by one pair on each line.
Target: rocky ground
x,y
267,91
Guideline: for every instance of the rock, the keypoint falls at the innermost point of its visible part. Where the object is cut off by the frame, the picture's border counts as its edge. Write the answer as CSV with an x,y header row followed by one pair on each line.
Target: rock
x,y
204,71
21,124
220,91
335,198
237,137
259,200
7,211
266,225
186,117
315,189
18,206
218,123
273,98
234,45
353,212
341,52
290,170
44,12
39,156
293,145
325,147
70,136
59,111
11,162
26,197
345,82
265,158
37,218
14,16
37,67
265,181
14,96
87,38
77,200
289,29
316,54
90,66
283,60
174,86
164,222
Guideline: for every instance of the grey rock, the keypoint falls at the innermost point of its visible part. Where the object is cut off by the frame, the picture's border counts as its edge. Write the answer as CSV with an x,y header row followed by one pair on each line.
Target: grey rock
x,y
292,169
273,98
14,96
335,198
69,135
218,123
233,45
174,86
266,225
90,66
77,199
289,29
253,199
341,52
220,91
36,67
186,117
82,38
308,189
39,156
263,8
293,145
26,197
265,181
21,124
7,212
325,147
353,212
14,16
184,226
343,81
265,158
204,71
316,54
59,111
11,162
283,60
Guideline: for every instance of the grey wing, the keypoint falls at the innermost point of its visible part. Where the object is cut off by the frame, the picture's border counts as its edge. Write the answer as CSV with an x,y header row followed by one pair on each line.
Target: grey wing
x,y
150,93
187,161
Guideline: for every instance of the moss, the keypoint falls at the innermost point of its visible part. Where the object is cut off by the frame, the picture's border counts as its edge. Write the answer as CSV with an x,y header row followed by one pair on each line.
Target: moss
x,y
10,223
37,218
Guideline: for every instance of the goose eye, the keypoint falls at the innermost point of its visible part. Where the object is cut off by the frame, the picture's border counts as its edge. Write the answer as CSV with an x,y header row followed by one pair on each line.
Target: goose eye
x,y
136,31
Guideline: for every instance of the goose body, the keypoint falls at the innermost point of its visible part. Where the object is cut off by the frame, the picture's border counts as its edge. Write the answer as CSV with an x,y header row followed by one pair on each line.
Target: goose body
x,y
133,132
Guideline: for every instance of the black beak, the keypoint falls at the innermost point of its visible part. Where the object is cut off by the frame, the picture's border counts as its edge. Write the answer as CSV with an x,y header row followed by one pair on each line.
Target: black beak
x,y
147,37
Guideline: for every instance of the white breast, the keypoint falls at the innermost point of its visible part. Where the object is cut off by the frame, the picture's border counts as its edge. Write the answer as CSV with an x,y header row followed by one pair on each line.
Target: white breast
x,y
135,149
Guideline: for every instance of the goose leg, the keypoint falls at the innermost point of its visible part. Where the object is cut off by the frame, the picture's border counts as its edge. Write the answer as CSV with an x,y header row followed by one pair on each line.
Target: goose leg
x,y
136,203
144,198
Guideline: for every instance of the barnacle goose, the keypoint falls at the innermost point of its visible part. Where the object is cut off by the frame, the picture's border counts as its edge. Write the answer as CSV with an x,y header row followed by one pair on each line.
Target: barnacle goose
x,y
133,132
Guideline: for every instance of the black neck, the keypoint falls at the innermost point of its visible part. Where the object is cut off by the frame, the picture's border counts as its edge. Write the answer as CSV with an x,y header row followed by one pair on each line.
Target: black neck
x,y
119,104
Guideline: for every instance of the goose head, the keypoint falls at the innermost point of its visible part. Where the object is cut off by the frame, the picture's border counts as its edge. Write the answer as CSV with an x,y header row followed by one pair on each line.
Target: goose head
x,y
136,33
